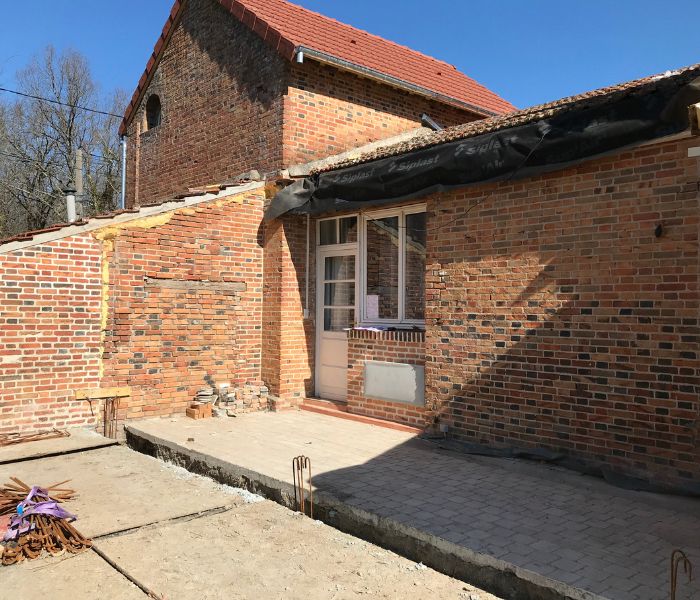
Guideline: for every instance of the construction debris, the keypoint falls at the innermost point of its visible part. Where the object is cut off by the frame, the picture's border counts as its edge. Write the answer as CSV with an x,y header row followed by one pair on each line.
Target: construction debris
x,y
251,397
206,395
15,438
37,522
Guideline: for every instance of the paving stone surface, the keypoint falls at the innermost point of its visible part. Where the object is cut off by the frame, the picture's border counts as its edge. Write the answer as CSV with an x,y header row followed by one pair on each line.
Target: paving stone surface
x,y
569,527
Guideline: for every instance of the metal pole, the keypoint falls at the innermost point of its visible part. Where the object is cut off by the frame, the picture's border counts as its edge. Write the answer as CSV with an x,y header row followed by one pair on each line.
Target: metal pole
x,y
69,191
307,313
122,201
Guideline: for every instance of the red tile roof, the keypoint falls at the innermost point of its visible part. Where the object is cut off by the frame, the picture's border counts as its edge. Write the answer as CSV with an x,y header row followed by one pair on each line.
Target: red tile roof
x,y
287,27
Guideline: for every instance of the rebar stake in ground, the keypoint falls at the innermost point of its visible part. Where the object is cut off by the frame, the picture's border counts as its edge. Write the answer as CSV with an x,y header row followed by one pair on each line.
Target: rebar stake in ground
x,y
300,466
678,557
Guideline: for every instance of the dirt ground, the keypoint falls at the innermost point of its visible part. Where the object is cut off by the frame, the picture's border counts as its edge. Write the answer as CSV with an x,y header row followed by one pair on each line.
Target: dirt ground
x,y
185,537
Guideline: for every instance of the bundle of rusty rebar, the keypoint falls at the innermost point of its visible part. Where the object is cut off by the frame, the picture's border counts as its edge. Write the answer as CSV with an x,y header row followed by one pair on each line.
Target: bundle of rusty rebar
x,y
43,531
12,439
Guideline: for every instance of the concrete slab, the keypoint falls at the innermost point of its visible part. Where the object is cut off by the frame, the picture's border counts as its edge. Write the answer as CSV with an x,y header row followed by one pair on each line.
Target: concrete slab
x,y
249,549
266,551
120,489
74,577
267,442
501,523
80,439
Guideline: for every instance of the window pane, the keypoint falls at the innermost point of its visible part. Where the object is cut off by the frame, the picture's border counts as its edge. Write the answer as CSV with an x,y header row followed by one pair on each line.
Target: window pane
x,y
383,265
339,294
348,230
339,267
337,319
328,232
414,278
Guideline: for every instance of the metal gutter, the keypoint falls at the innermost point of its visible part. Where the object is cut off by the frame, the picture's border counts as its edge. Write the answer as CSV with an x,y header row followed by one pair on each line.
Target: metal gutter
x,y
346,65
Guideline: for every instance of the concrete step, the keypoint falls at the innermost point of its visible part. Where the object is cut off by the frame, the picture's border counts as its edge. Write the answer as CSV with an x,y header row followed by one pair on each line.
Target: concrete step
x,y
332,412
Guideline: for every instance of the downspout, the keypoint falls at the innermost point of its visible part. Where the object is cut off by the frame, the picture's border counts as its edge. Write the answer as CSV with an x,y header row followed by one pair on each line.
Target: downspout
x,y
122,200
308,262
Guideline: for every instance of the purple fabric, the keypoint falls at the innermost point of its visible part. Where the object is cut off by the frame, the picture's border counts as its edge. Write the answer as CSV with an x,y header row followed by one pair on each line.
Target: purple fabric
x,y
19,523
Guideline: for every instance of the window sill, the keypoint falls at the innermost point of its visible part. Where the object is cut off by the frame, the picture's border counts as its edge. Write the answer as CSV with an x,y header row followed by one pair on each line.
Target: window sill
x,y
413,326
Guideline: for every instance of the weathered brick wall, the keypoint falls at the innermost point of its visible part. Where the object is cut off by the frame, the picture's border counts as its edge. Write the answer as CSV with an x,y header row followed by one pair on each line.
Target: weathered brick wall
x,y
389,346
163,305
328,111
221,91
185,303
49,334
557,318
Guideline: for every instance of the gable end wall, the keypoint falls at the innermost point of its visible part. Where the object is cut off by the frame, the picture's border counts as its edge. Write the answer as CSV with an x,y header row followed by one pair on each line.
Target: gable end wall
x,y
221,89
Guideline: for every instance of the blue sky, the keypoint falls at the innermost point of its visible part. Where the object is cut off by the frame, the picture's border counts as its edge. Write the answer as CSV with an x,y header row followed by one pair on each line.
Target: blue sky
x,y
529,51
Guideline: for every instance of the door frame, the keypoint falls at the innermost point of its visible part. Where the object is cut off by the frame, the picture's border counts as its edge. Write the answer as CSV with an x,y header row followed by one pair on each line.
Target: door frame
x,y
322,252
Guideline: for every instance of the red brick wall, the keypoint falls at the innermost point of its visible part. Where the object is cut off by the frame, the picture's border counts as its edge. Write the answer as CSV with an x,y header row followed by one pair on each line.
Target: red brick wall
x,y
185,301
49,334
221,91
398,347
328,111
556,317
182,303
288,338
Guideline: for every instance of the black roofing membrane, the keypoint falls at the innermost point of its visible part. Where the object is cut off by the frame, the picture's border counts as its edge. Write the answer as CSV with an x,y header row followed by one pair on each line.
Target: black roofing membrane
x,y
589,129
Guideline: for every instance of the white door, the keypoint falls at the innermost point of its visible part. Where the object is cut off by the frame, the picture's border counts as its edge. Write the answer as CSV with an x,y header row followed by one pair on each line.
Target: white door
x,y
335,284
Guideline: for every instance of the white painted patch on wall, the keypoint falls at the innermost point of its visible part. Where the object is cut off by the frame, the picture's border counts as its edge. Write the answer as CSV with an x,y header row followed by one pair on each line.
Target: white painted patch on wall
x,y
12,359
395,382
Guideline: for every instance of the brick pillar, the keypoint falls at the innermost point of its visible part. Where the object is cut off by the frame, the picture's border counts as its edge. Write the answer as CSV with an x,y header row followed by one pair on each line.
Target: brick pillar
x,y
288,339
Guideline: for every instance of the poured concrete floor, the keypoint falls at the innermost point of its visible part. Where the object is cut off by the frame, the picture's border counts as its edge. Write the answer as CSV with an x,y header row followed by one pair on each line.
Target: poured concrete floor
x,y
79,439
184,537
573,529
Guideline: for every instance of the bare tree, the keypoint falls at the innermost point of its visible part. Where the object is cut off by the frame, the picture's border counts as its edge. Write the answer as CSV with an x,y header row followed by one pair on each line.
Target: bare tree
x,y
39,140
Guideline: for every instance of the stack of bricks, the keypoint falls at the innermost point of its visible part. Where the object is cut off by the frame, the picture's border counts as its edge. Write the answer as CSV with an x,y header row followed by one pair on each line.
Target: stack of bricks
x,y
199,410
251,397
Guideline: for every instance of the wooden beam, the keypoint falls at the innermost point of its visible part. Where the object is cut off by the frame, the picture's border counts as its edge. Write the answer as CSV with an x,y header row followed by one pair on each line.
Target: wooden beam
x,y
98,393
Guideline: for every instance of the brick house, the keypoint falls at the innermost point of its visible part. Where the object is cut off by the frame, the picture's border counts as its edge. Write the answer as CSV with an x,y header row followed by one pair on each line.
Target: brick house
x,y
264,84
527,281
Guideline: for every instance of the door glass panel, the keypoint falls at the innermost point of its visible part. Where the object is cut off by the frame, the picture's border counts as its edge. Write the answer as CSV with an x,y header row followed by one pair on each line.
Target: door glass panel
x,y
414,277
348,230
339,294
328,232
337,319
339,267
383,266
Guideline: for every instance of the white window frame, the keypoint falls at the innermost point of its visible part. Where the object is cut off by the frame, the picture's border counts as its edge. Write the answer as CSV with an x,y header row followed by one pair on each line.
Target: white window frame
x,y
362,253
337,233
